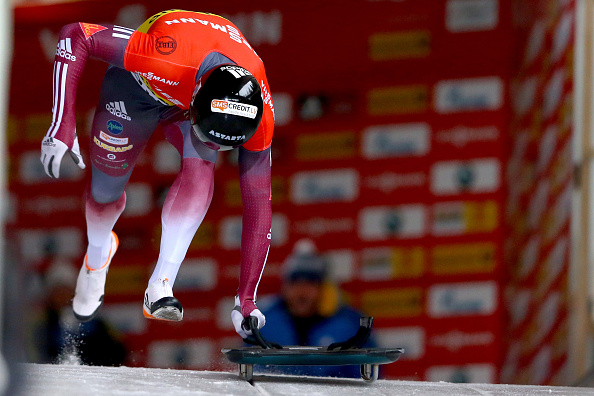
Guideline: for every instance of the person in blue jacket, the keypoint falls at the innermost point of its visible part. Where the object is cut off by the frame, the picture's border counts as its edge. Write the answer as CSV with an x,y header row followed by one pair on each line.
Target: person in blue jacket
x,y
307,312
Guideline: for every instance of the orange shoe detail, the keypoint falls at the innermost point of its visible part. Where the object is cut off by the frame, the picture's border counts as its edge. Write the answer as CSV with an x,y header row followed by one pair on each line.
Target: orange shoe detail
x,y
110,254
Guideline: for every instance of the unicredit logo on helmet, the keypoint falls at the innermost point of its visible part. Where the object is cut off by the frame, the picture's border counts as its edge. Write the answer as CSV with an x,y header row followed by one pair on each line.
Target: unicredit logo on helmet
x,y
238,109
226,137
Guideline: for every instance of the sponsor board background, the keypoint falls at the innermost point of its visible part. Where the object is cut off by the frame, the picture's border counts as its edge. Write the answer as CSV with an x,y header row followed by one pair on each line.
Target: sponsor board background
x,y
425,149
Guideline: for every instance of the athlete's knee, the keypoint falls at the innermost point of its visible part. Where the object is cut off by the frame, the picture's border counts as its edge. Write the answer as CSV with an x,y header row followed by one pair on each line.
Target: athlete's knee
x,y
105,188
102,195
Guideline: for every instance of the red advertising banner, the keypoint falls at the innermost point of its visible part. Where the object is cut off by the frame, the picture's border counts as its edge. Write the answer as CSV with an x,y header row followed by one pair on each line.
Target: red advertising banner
x,y
425,149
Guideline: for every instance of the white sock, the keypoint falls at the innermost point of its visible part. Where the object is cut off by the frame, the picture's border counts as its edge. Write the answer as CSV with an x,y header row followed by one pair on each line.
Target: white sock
x,y
97,256
165,270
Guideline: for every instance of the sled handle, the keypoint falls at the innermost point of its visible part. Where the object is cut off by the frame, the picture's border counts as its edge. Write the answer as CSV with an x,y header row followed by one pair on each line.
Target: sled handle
x,y
359,339
251,323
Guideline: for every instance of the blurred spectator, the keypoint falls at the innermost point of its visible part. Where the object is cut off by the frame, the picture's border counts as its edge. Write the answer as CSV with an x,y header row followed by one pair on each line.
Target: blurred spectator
x,y
60,338
308,311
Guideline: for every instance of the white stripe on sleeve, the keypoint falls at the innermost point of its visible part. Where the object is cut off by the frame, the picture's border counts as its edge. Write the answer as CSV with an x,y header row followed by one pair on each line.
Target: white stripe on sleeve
x,y
59,98
118,35
261,272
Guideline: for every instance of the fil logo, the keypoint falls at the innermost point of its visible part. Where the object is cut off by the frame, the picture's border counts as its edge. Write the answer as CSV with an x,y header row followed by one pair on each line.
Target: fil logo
x,y
118,109
64,50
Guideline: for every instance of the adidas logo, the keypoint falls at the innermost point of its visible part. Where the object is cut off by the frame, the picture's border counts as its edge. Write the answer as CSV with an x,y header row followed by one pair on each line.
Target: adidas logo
x,y
64,50
118,109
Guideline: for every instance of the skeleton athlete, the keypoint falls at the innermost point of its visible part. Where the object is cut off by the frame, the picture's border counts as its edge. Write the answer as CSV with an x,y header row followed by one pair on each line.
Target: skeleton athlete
x,y
196,76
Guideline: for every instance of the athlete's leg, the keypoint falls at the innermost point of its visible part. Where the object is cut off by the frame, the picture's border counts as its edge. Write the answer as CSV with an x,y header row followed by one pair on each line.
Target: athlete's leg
x,y
124,121
187,201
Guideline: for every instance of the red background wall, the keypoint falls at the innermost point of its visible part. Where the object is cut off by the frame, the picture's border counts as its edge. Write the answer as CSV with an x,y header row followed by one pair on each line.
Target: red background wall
x,y
408,145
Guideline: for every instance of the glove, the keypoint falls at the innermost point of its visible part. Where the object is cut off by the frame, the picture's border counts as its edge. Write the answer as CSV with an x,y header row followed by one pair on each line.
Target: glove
x,y
238,318
52,151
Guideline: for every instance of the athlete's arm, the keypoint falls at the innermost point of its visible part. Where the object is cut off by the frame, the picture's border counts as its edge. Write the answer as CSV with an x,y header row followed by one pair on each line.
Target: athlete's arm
x,y
254,179
77,42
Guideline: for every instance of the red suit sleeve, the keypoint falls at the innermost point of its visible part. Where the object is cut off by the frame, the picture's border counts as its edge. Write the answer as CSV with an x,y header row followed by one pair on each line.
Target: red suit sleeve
x,y
254,179
77,42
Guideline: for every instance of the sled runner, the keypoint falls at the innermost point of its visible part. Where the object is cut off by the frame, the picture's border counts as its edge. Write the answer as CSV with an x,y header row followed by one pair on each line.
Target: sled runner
x,y
349,352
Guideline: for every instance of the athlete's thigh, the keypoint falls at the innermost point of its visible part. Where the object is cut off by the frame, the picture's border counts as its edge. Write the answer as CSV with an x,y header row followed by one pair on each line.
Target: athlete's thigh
x,y
125,119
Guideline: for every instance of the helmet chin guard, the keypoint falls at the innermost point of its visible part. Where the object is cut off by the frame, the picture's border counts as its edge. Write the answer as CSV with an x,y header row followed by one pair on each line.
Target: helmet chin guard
x,y
227,108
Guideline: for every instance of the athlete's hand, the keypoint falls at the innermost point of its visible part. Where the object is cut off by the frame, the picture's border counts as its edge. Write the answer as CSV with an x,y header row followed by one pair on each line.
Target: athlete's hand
x,y
52,152
238,318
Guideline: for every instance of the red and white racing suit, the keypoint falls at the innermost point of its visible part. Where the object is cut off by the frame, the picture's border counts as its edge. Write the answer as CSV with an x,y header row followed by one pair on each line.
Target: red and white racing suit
x,y
150,82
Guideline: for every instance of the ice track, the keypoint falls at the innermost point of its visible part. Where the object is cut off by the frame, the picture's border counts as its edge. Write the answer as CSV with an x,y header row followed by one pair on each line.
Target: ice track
x,y
71,380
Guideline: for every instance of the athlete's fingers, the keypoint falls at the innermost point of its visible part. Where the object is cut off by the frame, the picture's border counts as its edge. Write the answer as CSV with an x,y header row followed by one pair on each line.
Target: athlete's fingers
x,y
75,154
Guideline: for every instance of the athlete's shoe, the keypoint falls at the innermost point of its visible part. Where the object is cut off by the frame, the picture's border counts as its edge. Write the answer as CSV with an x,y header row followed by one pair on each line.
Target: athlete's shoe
x,y
90,286
159,302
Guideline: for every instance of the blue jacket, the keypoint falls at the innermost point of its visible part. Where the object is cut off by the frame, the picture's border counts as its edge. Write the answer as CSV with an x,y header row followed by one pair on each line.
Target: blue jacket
x,y
280,327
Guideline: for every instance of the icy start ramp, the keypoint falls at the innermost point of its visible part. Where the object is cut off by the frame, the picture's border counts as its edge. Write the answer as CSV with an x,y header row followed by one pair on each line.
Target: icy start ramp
x,y
65,380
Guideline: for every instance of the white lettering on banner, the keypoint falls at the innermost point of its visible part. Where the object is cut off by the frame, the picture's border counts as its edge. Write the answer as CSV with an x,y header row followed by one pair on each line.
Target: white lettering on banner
x,y
471,15
338,185
387,182
318,226
455,340
472,94
462,299
384,222
396,140
475,176
460,136
448,218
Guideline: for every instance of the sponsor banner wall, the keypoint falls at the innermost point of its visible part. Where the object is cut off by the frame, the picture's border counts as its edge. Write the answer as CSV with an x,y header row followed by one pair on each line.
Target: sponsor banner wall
x,y
421,154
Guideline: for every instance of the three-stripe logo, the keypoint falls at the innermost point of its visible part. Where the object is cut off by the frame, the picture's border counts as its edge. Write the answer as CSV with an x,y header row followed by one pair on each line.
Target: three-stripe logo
x,y
64,50
122,32
118,109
